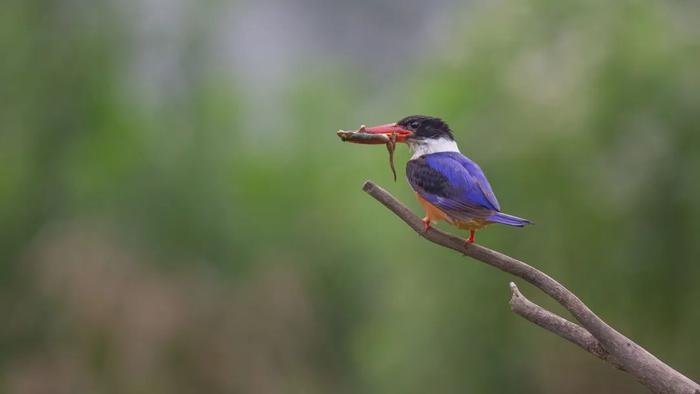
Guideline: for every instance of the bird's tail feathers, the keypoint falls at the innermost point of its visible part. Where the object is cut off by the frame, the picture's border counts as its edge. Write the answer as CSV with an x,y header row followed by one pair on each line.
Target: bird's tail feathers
x,y
510,220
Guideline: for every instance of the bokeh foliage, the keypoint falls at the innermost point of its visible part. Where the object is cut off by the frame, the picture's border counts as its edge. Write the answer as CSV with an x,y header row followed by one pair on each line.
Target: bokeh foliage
x,y
195,242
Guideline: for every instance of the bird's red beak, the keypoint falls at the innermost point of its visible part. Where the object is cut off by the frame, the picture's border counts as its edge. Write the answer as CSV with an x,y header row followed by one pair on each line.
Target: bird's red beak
x,y
388,130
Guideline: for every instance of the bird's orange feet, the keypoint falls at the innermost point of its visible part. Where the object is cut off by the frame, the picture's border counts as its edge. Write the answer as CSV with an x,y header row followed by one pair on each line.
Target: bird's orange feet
x,y
426,224
471,237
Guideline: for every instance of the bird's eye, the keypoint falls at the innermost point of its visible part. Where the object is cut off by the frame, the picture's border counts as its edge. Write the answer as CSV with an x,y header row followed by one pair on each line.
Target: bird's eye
x,y
414,125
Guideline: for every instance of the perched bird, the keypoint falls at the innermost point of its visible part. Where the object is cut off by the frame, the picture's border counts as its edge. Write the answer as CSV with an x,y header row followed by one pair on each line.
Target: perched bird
x,y
450,186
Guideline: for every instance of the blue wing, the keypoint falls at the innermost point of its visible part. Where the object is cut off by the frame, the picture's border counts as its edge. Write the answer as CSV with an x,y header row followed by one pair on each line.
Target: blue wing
x,y
454,184
479,179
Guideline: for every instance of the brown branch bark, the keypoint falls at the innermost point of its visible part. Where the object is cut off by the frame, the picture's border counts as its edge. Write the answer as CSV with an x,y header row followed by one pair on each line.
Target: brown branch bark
x,y
550,321
593,335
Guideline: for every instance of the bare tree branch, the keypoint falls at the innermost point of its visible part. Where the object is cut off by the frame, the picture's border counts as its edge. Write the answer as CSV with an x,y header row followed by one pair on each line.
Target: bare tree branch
x,y
550,321
617,349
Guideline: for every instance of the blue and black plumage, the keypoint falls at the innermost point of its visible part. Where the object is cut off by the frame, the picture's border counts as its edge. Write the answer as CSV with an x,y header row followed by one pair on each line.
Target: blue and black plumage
x,y
450,186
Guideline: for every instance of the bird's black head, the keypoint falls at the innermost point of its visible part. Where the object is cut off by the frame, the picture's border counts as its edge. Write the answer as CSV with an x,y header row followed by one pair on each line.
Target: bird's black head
x,y
425,127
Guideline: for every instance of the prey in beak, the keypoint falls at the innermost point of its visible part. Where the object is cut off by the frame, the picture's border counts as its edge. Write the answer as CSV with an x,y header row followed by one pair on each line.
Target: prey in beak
x,y
391,130
376,134
388,134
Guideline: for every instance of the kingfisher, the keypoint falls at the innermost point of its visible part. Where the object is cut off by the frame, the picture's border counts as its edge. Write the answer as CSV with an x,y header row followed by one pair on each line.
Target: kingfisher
x,y
450,186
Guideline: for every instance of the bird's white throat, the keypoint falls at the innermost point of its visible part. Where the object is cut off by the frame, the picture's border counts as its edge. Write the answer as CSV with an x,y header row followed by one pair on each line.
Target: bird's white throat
x,y
428,146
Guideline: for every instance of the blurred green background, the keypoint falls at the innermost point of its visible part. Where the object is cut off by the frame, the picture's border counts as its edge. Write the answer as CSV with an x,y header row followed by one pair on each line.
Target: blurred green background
x,y
178,216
